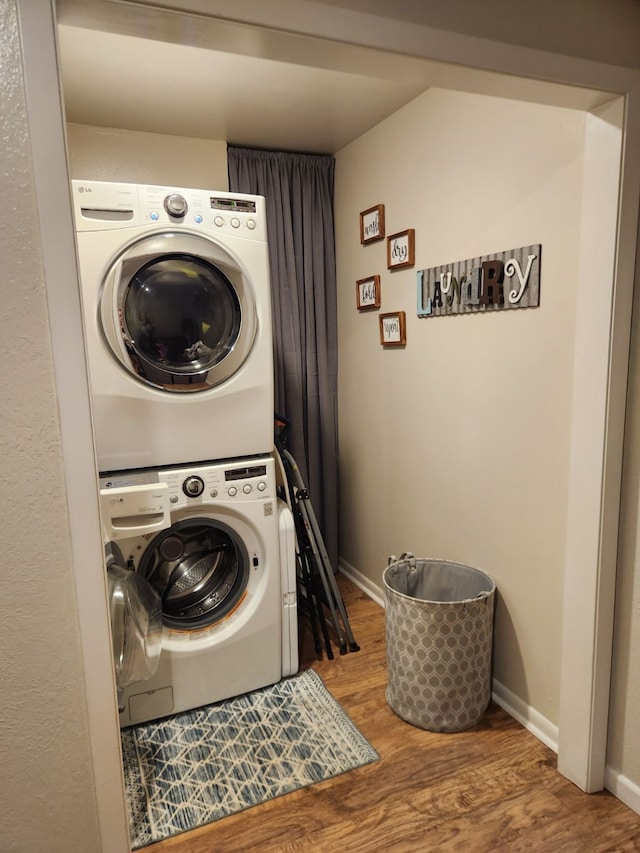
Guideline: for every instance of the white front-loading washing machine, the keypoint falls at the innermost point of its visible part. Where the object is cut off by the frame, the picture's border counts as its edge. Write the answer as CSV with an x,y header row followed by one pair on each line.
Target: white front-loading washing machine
x,y
177,312
213,550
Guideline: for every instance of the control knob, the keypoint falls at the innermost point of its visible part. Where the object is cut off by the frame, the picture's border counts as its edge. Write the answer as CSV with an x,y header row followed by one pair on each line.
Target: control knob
x,y
193,486
175,205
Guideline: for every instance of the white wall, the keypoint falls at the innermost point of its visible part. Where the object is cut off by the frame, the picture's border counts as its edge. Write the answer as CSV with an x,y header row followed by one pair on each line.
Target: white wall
x,y
47,799
111,154
457,446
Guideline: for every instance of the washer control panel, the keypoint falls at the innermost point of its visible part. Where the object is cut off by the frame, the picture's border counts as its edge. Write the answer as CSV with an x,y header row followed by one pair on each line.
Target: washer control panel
x,y
248,480
236,482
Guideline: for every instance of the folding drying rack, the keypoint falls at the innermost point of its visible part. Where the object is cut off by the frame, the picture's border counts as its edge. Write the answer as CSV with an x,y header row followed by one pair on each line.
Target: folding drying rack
x,y
319,598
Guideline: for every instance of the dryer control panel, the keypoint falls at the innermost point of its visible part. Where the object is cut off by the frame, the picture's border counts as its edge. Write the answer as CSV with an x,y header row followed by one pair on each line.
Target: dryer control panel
x,y
102,206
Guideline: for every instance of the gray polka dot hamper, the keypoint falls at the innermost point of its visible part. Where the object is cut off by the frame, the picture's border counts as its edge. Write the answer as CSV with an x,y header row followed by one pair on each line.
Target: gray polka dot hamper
x,y
439,635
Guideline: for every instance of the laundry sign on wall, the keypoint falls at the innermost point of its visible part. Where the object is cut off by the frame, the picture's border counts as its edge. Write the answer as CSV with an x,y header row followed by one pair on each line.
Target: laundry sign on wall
x,y
503,280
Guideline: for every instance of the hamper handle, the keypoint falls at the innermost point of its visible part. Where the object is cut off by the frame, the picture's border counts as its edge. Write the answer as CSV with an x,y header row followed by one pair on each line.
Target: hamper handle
x,y
407,557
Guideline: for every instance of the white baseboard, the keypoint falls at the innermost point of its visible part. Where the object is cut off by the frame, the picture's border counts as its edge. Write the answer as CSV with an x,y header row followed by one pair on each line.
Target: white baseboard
x,y
532,720
367,586
623,788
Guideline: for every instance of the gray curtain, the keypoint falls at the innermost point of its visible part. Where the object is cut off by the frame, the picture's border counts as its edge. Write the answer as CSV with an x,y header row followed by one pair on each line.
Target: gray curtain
x,y
298,189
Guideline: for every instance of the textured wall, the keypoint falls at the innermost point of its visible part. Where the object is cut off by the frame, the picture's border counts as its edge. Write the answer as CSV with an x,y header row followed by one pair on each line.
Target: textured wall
x,y
46,797
456,447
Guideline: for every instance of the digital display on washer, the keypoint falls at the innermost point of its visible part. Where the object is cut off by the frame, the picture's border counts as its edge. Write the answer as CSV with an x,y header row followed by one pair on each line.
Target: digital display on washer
x,y
240,205
245,473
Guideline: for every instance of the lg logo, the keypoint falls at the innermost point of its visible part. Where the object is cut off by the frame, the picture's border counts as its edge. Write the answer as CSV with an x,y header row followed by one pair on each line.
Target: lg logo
x,y
84,189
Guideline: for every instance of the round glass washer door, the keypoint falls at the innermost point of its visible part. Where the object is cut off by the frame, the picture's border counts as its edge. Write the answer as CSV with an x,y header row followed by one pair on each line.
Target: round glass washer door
x,y
200,569
178,312
136,622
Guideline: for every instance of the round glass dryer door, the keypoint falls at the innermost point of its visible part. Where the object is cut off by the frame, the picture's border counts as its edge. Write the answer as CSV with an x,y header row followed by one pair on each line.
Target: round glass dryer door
x,y
200,569
178,313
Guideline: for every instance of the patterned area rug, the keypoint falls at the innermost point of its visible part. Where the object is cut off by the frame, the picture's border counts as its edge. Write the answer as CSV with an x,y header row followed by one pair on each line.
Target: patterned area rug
x,y
201,765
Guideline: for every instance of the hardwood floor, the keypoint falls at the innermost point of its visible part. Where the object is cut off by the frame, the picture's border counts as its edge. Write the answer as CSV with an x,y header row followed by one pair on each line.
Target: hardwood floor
x,y
493,788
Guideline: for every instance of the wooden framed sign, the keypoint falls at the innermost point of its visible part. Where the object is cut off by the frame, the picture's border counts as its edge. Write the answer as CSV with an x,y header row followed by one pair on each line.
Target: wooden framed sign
x,y
368,292
372,224
393,329
401,250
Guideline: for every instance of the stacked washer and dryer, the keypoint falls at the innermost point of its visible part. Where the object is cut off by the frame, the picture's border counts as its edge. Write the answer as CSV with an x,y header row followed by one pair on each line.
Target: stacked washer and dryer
x,y
200,552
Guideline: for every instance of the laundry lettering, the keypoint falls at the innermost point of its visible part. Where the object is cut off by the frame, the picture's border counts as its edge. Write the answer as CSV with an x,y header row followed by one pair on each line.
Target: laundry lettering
x,y
507,280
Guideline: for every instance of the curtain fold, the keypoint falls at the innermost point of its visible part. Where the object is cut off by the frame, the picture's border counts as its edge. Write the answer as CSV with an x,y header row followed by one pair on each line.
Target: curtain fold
x,y
298,189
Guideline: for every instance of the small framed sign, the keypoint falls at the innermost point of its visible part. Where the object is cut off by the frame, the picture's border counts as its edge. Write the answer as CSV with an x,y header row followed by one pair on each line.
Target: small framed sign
x,y
368,292
393,329
401,249
372,224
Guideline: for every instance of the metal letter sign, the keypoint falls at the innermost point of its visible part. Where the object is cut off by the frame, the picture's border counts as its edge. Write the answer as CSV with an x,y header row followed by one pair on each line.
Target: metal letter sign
x,y
488,283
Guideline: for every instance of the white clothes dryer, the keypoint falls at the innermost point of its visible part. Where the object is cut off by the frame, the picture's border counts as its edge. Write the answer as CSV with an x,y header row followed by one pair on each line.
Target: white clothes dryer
x,y
177,311
214,549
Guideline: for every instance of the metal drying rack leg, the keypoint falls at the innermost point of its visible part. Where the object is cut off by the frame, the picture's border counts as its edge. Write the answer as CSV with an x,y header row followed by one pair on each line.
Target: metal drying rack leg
x,y
313,560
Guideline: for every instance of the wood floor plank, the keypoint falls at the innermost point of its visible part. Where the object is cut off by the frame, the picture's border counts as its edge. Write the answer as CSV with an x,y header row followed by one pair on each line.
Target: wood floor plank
x,y
492,788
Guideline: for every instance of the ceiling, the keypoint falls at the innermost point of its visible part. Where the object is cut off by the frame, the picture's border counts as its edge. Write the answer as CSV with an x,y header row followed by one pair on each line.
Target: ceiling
x,y
123,80
147,66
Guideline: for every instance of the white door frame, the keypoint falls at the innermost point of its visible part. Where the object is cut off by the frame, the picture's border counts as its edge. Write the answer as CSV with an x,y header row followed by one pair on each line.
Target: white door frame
x,y
601,358
596,450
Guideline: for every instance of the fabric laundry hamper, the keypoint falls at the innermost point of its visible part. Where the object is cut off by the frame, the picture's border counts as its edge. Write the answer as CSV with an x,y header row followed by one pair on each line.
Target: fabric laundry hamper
x,y
439,633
